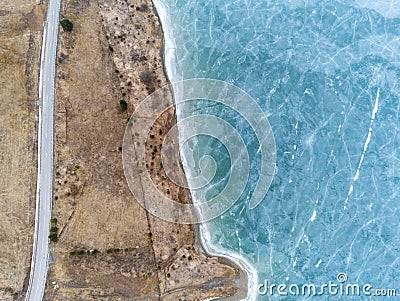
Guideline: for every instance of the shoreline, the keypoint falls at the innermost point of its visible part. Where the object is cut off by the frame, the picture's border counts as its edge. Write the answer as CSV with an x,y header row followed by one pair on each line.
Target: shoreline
x,y
109,246
201,233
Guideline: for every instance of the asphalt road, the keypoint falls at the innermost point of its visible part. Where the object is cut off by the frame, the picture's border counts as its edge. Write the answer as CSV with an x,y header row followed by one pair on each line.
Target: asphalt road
x,y
40,253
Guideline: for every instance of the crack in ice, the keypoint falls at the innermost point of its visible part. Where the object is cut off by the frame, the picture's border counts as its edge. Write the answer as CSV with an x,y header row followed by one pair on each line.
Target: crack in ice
x,y
374,111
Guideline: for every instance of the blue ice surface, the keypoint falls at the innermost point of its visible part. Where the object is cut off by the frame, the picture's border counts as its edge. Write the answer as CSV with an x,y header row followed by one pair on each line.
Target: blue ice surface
x,y
322,71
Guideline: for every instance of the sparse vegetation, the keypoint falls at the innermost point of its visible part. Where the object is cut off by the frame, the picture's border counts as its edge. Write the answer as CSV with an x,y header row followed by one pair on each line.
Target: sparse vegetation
x,y
123,104
53,237
66,25
115,250
84,252
53,231
143,7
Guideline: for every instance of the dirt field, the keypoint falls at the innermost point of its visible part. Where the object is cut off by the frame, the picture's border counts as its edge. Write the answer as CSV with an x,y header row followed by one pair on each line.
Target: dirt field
x,y
20,39
109,247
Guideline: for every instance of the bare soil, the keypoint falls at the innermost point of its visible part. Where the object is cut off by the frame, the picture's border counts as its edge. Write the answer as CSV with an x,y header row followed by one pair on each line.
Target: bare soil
x,y
109,247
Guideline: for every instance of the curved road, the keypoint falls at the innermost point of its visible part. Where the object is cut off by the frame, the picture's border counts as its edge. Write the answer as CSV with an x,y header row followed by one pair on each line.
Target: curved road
x,y
39,263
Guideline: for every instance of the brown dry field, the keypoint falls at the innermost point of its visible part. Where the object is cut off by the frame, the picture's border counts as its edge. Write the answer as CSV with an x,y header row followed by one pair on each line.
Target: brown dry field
x,y
109,247
21,24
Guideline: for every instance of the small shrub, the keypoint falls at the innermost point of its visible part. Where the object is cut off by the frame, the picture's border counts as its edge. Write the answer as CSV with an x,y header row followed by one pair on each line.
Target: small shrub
x,y
123,104
53,229
53,237
143,7
66,25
